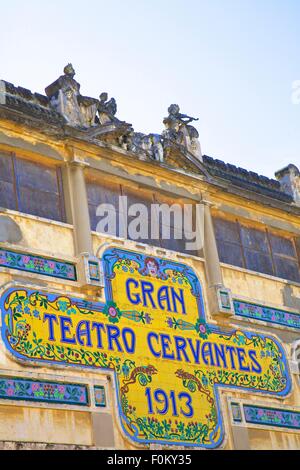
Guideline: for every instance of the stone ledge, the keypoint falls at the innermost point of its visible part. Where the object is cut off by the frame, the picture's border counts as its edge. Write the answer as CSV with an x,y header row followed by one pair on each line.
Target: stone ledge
x,y
9,445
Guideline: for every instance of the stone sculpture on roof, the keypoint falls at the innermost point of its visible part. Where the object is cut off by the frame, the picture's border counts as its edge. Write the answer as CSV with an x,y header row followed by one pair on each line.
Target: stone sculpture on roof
x,y
98,119
66,113
64,95
106,109
178,131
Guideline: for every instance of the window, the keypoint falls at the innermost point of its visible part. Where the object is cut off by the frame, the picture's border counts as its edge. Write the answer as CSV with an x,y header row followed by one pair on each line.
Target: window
x,y
7,183
257,250
142,196
30,187
285,259
106,193
174,224
229,243
109,192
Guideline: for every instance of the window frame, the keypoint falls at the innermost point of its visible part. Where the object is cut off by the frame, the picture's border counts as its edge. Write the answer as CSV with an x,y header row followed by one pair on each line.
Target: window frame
x,y
94,178
16,185
268,232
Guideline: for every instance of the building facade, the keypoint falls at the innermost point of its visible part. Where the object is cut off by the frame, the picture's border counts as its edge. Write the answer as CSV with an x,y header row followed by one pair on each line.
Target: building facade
x,y
126,324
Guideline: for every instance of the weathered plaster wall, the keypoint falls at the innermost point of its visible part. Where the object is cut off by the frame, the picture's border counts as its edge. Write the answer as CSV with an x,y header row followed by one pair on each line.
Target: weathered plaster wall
x,y
45,425
261,287
41,235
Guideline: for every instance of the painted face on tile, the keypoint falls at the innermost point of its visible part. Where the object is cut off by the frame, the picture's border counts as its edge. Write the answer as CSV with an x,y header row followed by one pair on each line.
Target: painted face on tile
x,y
152,268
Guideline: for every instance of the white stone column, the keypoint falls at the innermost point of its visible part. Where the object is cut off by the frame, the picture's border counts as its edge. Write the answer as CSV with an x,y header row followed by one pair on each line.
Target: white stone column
x,y
219,297
89,267
212,262
79,208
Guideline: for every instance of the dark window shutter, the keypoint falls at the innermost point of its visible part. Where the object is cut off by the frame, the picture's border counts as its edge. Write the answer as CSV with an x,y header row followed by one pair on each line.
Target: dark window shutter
x,y
8,197
39,190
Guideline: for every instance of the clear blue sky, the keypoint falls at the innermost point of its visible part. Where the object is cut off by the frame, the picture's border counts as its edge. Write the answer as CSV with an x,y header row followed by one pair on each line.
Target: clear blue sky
x,y
229,62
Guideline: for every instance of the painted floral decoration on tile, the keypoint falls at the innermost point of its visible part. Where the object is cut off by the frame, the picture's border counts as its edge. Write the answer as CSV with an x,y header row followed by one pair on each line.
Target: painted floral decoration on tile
x,y
42,391
272,417
37,264
267,314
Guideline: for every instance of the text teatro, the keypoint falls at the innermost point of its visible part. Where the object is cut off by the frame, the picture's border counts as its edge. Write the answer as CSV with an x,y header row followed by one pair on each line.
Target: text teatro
x,y
107,337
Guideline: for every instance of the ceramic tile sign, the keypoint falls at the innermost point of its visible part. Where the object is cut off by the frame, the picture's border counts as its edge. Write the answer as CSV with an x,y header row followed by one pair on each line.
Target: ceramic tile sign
x,y
168,363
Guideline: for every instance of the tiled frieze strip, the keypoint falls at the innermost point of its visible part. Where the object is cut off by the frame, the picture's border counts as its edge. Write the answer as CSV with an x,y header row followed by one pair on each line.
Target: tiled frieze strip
x,y
43,391
271,417
37,264
266,314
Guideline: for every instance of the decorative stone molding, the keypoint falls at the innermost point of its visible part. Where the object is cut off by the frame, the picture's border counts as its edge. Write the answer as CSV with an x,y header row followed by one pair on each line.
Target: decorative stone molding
x,y
100,396
236,412
90,271
225,301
